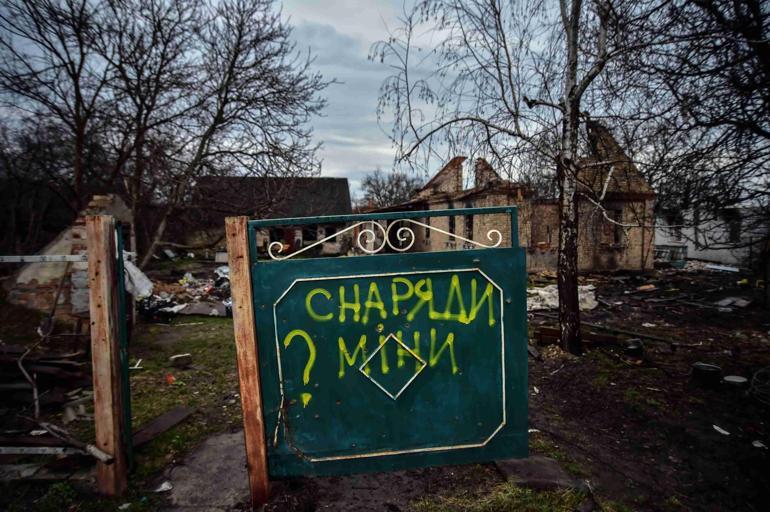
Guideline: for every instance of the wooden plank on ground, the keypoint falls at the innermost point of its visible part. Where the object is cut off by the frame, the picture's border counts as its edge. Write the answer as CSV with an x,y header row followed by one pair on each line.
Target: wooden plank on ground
x,y
162,423
112,479
248,359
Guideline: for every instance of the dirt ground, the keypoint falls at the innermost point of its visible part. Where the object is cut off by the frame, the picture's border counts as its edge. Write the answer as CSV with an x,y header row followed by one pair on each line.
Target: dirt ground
x,y
642,431
639,430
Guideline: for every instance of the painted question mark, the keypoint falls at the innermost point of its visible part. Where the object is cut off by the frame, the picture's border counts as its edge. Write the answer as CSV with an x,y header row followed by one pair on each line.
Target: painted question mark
x,y
310,360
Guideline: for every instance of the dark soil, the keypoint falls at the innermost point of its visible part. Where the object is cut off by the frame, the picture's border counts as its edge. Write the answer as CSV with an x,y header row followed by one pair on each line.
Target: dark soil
x,y
641,428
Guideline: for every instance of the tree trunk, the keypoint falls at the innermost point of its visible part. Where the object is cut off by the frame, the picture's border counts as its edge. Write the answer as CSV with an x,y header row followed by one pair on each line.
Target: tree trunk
x,y
567,171
569,308
159,232
136,185
80,144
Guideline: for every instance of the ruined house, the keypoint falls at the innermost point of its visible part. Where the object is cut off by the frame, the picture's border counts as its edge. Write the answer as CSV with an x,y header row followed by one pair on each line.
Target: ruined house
x,y
35,285
618,236
218,197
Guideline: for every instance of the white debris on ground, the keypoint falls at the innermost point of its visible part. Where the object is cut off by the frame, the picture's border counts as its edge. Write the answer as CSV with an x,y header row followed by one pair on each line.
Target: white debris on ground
x,y
137,284
547,297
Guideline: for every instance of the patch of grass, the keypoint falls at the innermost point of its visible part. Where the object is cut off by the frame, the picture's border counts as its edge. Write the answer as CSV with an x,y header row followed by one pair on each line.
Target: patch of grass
x,y
601,381
63,496
210,385
541,445
673,503
604,362
501,498
614,506
538,443
635,398
60,496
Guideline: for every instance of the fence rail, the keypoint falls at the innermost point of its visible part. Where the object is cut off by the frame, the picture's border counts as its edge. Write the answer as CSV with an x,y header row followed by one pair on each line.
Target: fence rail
x,y
47,258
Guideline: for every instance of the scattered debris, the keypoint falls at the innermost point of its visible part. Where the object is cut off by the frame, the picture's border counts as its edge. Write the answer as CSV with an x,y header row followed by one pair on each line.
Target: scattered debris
x,y
164,487
721,268
735,380
635,348
534,353
162,423
721,430
65,436
646,288
547,297
137,284
648,325
181,361
759,444
557,370
706,374
545,335
738,302
760,385
189,296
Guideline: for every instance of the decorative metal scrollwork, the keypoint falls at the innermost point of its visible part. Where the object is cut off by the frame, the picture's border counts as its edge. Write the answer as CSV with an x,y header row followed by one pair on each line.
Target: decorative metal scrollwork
x,y
369,242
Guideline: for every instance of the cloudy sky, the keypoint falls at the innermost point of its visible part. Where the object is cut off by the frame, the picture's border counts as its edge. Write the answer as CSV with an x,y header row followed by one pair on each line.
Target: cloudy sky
x,y
340,33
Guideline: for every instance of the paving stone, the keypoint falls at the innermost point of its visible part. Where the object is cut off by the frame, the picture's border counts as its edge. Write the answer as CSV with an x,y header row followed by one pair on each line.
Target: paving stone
x,y
213,477
537,472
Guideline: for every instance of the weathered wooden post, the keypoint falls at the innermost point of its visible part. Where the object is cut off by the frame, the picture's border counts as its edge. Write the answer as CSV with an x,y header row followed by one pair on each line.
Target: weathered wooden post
x,y
248,358
105,347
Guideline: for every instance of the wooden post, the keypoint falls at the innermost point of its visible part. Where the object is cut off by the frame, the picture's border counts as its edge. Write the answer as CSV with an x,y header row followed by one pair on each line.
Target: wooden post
x,y
248,358
112,479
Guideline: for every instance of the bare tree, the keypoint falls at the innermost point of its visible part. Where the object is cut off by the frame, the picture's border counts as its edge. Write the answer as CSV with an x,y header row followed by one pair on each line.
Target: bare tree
x,y
510,77
698,119
49,66
388,189
167,90
254,95
150,47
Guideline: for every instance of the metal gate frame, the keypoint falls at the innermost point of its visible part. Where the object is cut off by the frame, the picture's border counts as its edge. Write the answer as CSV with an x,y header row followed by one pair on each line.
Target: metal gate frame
x,y
254,300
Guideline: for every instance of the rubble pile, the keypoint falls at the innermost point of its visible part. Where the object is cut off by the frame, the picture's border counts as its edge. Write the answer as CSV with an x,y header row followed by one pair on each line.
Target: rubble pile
x,y
52,378
189,296
547,297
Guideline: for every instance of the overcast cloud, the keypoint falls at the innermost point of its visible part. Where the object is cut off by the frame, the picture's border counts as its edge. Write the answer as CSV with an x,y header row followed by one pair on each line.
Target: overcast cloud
x,y
339,34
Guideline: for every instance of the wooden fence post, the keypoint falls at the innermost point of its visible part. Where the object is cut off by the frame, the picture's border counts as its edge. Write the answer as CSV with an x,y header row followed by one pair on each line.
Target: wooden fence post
x,y
248,358
105,353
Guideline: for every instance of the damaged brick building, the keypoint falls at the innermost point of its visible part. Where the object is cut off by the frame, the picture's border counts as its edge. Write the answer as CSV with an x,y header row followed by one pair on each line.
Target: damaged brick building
x,y
617,236
36,285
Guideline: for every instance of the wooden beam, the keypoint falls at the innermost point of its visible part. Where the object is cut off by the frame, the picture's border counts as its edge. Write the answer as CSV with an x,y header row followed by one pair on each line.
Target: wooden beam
x,y
112,479
248,358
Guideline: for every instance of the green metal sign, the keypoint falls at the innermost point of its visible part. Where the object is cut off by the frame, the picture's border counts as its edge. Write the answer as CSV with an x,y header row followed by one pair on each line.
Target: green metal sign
x,y
390,361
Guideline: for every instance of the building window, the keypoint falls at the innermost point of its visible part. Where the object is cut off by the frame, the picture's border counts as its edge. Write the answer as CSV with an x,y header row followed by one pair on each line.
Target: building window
x,y
427,229
452,225
733,218
469,223
310,233
469,227
675,227
548,234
